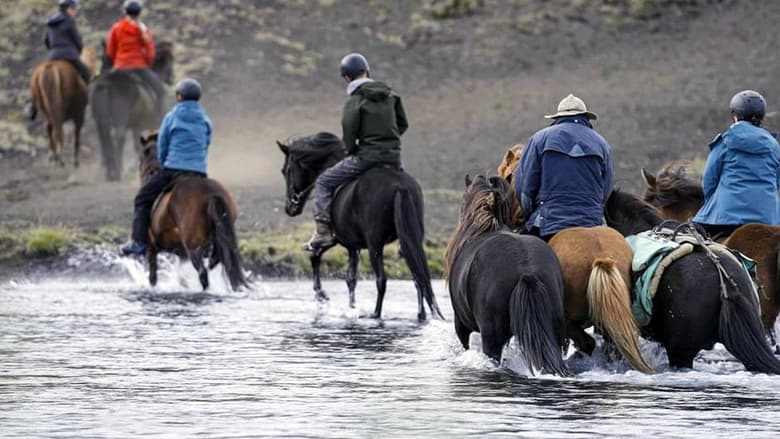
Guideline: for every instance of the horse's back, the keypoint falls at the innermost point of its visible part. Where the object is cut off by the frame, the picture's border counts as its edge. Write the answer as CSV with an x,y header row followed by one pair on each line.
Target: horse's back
x,y
578,247
58,90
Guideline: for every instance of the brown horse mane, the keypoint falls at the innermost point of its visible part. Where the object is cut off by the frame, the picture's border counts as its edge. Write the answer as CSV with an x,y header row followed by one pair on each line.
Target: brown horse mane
x,y
149,164
674,184
486,208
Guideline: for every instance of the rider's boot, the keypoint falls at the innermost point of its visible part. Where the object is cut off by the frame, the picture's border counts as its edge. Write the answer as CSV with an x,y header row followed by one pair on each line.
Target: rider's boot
x,y
322,238
132,248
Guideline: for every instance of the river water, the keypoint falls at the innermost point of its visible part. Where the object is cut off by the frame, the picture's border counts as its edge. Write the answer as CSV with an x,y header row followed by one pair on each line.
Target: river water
x,y
85,357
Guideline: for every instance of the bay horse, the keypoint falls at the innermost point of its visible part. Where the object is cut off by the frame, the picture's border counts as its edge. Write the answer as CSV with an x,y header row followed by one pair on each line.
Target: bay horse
x,y
690,310
503,284
60,95
382,205
678,195
596,265
121,101
195,218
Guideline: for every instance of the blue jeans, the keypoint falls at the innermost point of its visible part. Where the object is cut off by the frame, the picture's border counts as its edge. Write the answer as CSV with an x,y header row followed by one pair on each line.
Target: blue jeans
x,y
341,173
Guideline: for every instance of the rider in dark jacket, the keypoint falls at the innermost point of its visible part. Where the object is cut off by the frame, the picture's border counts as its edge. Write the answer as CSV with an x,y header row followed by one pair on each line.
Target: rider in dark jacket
x,y
63,39
373,122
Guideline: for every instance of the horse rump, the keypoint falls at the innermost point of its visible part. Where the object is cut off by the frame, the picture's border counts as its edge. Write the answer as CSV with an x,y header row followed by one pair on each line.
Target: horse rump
x,y
225,246
610,310
537,324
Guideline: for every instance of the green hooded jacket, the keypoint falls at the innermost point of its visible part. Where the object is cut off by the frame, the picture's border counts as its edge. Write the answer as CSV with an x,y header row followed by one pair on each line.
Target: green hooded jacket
x,y
373,122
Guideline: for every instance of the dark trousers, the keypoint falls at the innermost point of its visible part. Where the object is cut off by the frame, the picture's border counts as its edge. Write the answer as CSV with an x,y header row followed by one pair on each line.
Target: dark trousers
x,y
717,231
82,69
342,172
144,200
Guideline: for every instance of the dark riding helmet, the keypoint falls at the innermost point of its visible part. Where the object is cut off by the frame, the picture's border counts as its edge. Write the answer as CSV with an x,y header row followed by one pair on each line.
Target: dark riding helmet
x,y
133,7
68,4
748,105
353,65
189,89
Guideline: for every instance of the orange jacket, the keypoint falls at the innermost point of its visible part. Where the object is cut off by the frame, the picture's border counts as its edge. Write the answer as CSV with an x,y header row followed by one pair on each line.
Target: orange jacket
x,y
130,47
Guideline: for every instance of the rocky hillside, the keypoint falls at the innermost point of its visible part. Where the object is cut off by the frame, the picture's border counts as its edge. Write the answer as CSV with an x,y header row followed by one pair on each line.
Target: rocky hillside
x,y
476,75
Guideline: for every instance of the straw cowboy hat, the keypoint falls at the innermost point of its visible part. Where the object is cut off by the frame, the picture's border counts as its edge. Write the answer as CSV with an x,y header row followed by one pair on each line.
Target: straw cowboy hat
x,y
572,106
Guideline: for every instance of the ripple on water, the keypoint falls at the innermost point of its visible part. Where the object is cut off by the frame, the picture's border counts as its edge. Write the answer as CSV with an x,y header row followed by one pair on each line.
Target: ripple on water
x,y
95,358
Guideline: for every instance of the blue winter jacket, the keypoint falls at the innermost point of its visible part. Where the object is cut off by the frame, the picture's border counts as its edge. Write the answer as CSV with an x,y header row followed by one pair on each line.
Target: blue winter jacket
x,y
185,135
564,177
741,178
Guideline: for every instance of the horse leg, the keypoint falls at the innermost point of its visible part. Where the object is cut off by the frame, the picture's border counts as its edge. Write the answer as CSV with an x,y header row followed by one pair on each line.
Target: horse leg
x,y
316,261
378,264
492,345
59,141
196,257
680,357
354,258
462,331
582,341
151,258
77,141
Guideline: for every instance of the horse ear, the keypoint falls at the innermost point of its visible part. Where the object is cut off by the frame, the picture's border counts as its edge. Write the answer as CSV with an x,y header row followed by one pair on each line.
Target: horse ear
x,y
285,149
469,180
649,179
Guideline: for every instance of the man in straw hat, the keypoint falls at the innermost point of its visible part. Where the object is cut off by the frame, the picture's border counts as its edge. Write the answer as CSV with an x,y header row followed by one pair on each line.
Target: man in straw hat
x,y
565,175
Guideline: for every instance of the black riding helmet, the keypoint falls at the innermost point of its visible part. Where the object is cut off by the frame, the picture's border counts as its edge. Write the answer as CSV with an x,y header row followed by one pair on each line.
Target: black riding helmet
x,y
189,89
748,105
353,65
64,4
133,7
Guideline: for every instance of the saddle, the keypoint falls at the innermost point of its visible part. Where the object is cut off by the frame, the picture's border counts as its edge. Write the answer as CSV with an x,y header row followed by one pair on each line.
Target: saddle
x,y
169,187
657,249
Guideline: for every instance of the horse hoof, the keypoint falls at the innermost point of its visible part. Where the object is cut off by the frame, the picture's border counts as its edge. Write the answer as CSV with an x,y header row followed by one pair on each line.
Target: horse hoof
x,y
320,296
422,317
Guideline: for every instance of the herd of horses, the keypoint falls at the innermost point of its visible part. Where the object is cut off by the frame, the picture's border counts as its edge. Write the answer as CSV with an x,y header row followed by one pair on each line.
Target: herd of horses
x,y
502,284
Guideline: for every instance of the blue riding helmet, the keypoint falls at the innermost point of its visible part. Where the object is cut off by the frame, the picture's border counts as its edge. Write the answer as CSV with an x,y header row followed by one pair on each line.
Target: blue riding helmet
x,y
353,65
189,89
68,4
748,105
133,7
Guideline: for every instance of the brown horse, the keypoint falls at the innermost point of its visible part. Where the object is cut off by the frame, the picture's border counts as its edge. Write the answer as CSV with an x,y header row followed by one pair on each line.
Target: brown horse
x,y
596,264
678,195
195,218
60,94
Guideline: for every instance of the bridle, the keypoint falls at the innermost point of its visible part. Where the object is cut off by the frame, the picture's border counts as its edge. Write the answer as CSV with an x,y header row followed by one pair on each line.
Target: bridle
x,y
297,198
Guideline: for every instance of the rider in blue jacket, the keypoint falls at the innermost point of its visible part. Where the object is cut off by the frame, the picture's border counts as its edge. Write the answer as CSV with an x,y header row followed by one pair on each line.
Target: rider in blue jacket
x,y
565,174
742,174
182,145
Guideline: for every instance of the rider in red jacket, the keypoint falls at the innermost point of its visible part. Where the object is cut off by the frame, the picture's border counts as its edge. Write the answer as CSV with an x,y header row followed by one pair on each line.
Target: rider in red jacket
x,y
131,47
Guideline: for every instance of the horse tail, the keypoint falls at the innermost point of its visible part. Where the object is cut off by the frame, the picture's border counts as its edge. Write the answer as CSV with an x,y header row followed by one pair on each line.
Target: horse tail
x,y
100,102
224,237
610,310
742,333
537,322
409,228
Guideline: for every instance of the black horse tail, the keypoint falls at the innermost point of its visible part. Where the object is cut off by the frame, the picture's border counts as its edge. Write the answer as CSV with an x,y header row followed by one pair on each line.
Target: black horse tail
x,y
742,333
409,228
224,238
100,102
537,324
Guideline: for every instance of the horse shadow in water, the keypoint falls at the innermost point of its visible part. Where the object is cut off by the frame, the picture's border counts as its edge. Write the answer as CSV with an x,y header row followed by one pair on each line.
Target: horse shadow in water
x,y
195,218
60,95
677,193
382,205
120,102
503,284
692,309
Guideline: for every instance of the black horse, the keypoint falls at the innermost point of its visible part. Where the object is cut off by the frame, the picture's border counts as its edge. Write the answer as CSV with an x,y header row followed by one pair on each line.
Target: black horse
x,y
690,312
120,102
503,284
382,205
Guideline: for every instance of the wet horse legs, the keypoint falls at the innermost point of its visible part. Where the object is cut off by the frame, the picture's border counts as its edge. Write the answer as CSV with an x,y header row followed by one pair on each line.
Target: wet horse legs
x,y
378,264
354,259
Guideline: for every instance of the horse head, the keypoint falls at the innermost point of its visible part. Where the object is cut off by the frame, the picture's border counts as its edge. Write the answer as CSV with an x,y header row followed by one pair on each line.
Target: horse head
x,y
163,61
149,163
304,160
506,169
89,57
676,191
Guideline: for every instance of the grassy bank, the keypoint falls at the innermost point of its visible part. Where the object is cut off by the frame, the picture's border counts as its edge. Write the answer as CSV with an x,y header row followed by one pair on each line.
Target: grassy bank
x,y
268,253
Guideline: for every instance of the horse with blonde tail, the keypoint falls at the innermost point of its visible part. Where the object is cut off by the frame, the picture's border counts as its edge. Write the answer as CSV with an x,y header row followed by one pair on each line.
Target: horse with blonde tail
x,y
60,95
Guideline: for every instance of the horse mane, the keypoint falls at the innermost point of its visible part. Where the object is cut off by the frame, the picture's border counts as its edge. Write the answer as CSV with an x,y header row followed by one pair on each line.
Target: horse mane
x,y
486,208
675,184
626,210
316,148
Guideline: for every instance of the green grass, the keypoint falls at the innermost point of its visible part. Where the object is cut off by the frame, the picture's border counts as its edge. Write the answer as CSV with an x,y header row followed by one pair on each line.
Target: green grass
x,y
47,242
